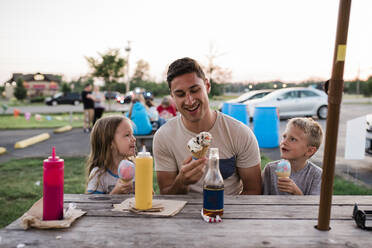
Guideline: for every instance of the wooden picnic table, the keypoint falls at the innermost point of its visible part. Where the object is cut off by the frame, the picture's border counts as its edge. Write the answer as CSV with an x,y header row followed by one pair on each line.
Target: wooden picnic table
x,y
248,221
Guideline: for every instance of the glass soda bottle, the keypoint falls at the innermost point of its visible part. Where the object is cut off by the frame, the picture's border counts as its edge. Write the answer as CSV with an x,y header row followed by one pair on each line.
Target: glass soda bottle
x,y
213,186
53,180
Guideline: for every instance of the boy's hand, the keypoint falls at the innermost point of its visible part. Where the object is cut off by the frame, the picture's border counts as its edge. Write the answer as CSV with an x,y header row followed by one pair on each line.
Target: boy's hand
x,y
122,188
192,170
285,184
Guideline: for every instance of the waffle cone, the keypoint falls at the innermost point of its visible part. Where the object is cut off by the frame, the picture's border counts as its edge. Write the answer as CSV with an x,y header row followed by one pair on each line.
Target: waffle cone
x,y
283,174
200,153
125,181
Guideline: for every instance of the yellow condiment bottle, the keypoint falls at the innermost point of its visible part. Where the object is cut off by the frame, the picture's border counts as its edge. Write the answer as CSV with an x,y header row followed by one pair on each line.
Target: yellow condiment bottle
x,y
143,179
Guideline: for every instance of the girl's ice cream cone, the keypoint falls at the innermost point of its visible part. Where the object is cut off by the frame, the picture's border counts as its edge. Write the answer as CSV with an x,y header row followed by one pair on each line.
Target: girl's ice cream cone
x,y
283,168
126,171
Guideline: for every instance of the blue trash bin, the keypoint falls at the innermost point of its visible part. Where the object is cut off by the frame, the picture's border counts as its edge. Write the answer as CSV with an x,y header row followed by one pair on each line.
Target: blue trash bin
x,y
266,127
239,112
226,108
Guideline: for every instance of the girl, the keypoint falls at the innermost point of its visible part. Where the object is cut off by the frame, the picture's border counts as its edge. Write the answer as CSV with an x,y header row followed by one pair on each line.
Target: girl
x,y
111,140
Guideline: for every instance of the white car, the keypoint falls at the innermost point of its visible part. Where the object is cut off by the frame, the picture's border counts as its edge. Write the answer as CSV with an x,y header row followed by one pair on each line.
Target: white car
x,y
292,102
253,94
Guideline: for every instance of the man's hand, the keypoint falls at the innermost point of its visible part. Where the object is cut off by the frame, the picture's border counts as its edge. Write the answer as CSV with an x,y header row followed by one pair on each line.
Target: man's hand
x,y
172,183
122,188
285,184
191,171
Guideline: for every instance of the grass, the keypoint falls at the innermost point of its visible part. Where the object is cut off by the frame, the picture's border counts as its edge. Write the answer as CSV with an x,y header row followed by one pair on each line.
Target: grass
x,y
46,121
22,184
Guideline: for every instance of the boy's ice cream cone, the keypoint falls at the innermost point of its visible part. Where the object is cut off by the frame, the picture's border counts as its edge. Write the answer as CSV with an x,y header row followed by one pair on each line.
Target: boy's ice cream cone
x,y
283,168
199,145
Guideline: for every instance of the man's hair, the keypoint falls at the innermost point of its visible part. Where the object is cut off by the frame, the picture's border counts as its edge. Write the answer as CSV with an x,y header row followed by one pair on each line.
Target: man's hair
x,y
184,66
311,128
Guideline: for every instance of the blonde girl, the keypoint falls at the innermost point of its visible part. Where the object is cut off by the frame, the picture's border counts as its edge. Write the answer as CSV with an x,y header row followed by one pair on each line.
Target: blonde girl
x,y
111,141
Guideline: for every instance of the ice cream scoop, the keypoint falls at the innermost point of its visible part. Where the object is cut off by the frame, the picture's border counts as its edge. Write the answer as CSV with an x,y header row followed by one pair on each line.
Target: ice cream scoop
x,y
283,168
199,145
126,170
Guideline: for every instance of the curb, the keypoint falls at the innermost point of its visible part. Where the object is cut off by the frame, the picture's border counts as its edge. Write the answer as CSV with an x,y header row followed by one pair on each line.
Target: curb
x,y
2,150
32,140
63,129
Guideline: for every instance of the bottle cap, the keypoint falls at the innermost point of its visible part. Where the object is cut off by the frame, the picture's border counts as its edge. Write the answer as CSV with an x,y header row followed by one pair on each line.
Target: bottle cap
x,y
53,160
143,153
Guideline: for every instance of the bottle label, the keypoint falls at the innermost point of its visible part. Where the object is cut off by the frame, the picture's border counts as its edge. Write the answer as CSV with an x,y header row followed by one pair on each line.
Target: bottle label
x,y
213,199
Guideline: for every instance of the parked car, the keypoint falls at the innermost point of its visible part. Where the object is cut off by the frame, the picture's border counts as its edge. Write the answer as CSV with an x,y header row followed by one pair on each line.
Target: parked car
x,y
292,102
112,95
64,98
127,98
253,94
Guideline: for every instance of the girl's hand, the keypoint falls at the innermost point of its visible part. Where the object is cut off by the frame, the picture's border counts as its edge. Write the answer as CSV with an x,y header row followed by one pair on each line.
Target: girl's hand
x,y
285,184
122,187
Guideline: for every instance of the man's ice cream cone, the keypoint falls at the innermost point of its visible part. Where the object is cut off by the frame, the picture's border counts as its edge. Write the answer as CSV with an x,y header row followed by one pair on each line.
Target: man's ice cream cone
x,y
200,153
199,145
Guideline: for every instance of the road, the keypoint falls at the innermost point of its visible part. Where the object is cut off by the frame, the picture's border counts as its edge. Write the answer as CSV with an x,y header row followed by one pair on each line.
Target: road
x,y
76,142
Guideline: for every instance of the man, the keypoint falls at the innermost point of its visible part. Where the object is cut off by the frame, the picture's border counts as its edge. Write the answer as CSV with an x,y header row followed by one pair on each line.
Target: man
x,y
177,172
88,104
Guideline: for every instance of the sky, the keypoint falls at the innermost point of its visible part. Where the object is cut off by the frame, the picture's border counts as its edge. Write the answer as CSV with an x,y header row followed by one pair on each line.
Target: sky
x,y
258,40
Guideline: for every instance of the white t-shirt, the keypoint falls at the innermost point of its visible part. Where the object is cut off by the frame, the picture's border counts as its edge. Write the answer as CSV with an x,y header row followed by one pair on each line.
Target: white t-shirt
x,y
235,141
101,184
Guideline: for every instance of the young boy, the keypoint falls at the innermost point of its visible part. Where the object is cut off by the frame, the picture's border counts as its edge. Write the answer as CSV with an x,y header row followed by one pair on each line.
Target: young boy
x,y
301,139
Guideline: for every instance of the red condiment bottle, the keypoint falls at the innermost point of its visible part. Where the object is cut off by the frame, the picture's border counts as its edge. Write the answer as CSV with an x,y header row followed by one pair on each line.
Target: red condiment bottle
x,y
53,180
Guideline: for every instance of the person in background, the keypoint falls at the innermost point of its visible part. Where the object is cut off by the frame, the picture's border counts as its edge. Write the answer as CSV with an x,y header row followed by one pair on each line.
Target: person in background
x,y
111,141
139,115
166,109
301,139
88,105
156,121
99,100
177,172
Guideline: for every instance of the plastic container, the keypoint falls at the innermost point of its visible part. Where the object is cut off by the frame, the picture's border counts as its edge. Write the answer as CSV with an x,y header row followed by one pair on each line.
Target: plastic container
x,y
143,178
266,127
53,181
226,108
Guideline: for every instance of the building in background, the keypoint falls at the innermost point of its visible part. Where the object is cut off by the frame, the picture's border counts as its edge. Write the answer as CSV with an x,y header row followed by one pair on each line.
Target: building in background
x,y
36,84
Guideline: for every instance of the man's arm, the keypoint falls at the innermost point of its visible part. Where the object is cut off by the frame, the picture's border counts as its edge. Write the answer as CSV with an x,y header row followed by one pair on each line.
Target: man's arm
x,y
171,183
252,181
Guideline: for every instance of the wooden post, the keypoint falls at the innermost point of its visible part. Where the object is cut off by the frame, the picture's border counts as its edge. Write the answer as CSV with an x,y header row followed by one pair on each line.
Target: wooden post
x,y
334,100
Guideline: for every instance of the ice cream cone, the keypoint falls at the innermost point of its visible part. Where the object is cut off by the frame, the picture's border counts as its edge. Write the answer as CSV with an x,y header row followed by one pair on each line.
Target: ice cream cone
x,y
283,174
200,153
125,181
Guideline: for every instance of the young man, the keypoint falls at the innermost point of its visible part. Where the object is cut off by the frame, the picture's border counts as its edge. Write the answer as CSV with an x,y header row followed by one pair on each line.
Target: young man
x,y
177,172
300,141
88,105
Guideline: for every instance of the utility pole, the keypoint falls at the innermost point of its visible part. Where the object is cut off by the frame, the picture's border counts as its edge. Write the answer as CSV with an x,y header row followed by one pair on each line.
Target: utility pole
x,y
336,86
128,49
358,82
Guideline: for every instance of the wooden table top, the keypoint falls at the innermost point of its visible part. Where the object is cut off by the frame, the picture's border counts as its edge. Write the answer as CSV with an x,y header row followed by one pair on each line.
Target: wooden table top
x,y
248,221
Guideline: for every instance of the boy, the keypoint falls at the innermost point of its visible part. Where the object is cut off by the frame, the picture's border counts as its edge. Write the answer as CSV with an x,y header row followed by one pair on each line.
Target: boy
x,y
300,141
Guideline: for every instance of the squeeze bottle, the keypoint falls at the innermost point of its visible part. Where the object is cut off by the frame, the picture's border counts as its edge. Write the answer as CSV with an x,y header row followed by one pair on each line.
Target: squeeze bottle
x,y
53,187
143,178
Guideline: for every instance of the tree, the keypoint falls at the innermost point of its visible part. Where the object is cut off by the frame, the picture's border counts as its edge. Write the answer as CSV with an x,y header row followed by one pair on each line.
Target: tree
x,y
20,92
65,87
109,67
142,71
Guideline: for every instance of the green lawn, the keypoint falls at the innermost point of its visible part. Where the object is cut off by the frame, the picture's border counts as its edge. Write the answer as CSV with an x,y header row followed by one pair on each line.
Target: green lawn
x,y
22,184
45,120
